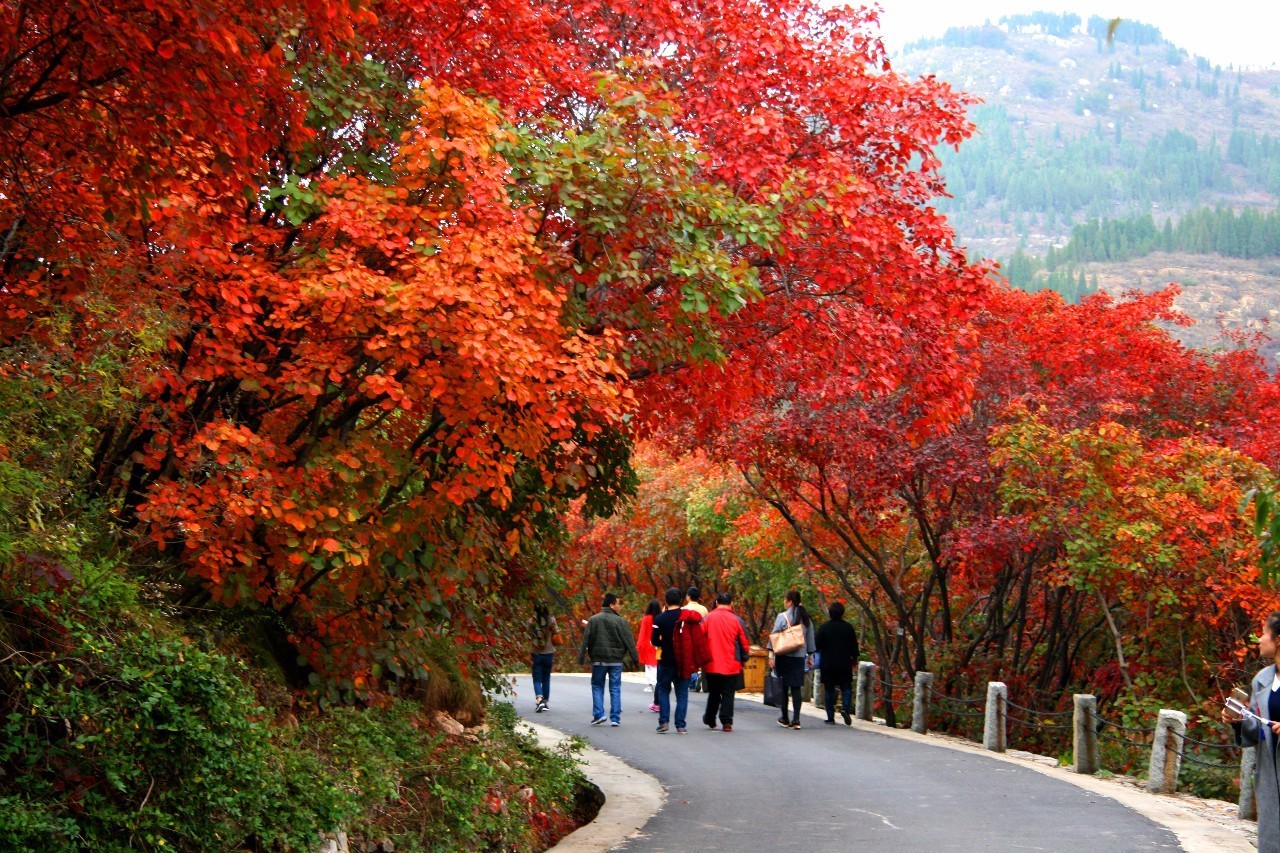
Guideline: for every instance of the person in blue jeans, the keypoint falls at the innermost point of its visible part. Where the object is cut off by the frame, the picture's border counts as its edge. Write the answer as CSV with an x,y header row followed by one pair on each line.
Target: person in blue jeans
x,y
542,632
607,641
664,629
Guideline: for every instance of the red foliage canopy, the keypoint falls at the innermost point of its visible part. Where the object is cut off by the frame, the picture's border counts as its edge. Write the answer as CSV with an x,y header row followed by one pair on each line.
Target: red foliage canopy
x,y
361,335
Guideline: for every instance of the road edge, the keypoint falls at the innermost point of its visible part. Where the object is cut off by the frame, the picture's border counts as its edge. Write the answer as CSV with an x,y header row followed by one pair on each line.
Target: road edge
x,y
631,797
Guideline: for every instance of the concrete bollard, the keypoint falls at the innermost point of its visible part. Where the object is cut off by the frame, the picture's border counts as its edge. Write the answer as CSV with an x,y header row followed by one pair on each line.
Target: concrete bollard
x,y
1166,752
866,698
1084,743
1248,800
813,686
334,842
993,729
920,702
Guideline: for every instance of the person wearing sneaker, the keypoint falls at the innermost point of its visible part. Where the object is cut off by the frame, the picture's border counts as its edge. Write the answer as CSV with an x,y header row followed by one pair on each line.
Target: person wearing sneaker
x,y
728,645
648,654
790,666
837,645
608,642
682,651
542,633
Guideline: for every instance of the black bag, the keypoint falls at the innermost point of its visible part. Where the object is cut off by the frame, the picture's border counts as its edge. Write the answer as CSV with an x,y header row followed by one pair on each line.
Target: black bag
x,y
773,691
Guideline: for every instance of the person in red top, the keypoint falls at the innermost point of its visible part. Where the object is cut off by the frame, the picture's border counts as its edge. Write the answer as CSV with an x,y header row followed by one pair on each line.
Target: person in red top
x,y
727,644
648,654
690,643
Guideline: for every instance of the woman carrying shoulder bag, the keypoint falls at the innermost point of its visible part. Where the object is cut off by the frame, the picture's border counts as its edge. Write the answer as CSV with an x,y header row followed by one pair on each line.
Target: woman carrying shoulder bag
x,y
789,665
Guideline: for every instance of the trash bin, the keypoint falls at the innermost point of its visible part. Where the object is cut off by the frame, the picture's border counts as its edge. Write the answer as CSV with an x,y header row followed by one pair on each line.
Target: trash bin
x,y
753,671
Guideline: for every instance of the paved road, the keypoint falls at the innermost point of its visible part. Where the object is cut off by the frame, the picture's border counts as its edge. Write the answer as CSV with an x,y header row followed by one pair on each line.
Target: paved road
x,y
847,789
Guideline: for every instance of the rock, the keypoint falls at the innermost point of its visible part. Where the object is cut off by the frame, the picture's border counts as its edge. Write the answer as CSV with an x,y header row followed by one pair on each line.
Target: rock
x,y
335,842
447,724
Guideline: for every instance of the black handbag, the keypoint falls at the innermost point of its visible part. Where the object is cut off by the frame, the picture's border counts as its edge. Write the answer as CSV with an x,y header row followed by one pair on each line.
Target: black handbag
x,y
773,691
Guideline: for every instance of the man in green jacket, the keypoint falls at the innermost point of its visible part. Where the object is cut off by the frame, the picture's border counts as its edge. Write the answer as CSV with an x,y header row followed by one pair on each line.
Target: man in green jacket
x,y
608,642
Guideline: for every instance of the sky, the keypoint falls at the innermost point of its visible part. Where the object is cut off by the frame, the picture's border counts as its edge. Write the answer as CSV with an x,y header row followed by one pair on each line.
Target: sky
x,y
1228,32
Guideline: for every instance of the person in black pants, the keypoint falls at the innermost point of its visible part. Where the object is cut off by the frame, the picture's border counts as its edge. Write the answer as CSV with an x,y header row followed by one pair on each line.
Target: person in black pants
x,y
837,645
728,643
790,666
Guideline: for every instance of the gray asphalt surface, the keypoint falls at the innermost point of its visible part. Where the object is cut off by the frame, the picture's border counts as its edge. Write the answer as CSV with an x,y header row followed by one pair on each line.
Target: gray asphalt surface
x,y
765,788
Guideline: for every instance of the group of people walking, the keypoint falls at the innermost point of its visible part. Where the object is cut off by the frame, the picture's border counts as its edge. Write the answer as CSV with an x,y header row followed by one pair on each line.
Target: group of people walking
x,y
680,639
833,648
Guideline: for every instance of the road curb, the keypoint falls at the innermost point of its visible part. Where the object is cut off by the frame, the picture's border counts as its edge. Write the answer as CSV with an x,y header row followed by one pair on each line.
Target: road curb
x,y
632,797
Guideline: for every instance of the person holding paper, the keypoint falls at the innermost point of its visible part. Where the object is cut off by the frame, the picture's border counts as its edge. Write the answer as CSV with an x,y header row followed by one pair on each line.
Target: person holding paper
x,y
1255,728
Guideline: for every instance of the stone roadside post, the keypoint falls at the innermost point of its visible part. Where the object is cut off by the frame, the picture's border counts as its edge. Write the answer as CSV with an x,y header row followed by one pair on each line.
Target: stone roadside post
x,y
920,703
1248,802
866,698
1086,755
1166,752
993,731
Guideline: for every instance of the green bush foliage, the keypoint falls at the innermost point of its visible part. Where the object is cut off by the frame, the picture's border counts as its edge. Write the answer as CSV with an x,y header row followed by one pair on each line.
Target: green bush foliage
x,y
119,734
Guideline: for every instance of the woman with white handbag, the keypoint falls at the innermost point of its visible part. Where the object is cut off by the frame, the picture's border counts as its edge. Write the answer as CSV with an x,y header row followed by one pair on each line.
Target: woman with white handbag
x,y
792,643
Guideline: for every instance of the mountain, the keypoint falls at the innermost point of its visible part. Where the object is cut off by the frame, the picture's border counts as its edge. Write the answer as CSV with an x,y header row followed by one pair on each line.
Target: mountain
x,y
1075,127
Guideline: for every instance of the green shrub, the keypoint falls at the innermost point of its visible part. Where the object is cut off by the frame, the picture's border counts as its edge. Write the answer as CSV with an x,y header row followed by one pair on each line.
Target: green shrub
x,y
145,742
496,791
121,735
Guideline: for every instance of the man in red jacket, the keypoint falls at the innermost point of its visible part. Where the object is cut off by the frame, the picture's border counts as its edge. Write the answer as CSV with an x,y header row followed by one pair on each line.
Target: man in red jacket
x,y
728,644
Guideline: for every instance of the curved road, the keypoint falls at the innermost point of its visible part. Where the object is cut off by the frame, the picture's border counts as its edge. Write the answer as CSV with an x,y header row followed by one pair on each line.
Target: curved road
x,y
845,789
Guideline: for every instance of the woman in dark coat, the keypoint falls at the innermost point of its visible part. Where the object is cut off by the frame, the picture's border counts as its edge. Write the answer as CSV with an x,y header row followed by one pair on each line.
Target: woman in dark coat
x,y
542,633
790,666
837,645
1264,701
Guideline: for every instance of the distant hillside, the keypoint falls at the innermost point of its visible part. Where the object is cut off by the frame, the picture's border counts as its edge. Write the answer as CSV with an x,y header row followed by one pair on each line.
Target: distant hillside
x,y
1073,129
1223,295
